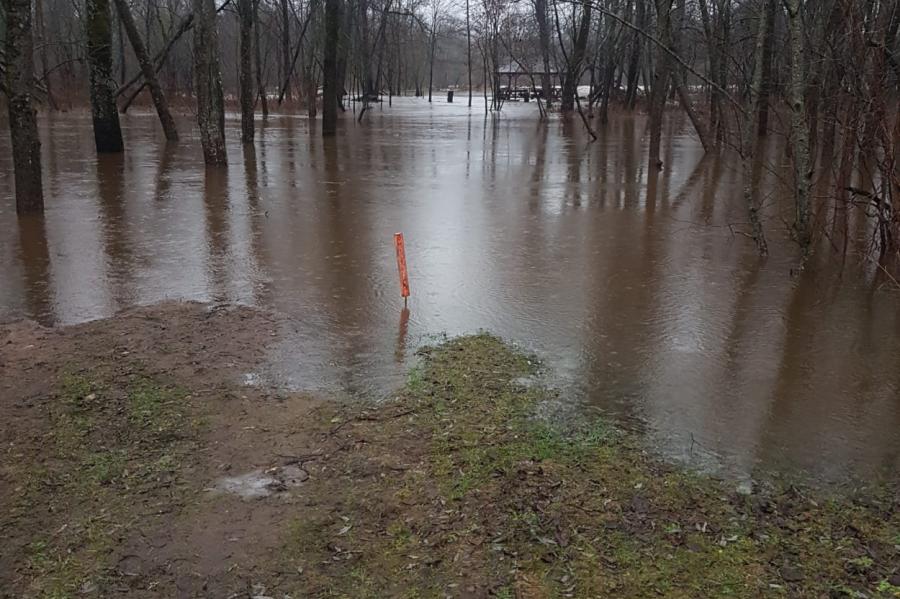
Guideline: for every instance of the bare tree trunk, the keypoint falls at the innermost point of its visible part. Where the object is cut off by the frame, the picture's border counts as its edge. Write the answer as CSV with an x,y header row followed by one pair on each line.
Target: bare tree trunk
x,y
245,12
19,86
574,63
260,81
766,83
40,38
749,142
147,68
799,128
634,61
107,131
540,15
331,84
660,83
208,83
431,58
469,52
286,48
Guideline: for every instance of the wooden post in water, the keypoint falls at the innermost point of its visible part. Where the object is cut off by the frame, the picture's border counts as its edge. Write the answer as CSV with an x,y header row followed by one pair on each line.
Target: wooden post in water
x,y
401,266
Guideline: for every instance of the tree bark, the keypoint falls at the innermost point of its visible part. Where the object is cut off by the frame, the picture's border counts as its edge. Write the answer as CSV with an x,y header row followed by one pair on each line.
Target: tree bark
x,y
331,83
260,82
634,60
767,84
19,86
540,15
208,83
107,131
245,13
749,142
469,51
660,83
286,48
148,70
573,66
40,38
799,128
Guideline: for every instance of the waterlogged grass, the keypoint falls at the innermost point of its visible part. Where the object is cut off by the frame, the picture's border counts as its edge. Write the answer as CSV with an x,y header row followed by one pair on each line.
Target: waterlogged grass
x,y
107,448
496,502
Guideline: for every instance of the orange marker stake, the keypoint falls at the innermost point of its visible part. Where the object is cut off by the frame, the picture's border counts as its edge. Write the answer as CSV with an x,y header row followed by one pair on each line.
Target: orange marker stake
x,y
401,265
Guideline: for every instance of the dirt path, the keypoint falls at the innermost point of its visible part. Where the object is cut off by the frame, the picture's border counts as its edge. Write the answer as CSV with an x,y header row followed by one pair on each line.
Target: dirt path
x,y
136,464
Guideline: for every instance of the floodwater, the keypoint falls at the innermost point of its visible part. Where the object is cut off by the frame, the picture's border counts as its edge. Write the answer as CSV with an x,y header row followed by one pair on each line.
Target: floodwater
x,y
643,302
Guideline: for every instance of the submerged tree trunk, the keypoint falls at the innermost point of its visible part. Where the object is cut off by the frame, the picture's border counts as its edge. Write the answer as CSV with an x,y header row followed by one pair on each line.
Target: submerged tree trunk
x,y
331,84
107,131
41,39
767,84
19,86
799,128
286,49
579,49
469,52
431,60
245,12
147,68
634,60
749,142
660,83
260,81
540,15
208,83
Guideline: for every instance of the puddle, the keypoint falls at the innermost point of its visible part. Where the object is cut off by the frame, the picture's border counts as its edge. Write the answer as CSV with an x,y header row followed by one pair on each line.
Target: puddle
x,y
262,483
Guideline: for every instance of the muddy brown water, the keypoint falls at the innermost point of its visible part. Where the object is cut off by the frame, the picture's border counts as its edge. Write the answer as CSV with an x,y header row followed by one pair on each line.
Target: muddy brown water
x,y
644,302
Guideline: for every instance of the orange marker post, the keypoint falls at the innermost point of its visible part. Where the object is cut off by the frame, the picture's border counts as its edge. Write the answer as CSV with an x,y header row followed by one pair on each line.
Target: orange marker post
x,y
401,265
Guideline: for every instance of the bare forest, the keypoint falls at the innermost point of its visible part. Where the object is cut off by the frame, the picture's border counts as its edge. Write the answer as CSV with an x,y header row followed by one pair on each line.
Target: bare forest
x,y
821,75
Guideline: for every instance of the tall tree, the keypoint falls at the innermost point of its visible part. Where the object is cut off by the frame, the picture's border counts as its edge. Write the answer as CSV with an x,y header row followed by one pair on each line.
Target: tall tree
x,y
260,80
245,13
799,126
661,73
286,49
749,142
540,15
148,70
331,84
208,83
19,87
107,131
575,62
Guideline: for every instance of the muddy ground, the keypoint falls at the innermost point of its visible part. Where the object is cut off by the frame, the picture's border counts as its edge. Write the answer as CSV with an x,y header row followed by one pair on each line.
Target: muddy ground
x,y
136,463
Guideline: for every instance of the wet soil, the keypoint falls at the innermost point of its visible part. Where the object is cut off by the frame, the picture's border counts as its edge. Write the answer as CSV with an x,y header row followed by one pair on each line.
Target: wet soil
x,y
136,463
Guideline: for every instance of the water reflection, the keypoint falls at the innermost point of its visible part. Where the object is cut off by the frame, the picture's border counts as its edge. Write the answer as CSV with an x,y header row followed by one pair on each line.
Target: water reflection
x,y
634,285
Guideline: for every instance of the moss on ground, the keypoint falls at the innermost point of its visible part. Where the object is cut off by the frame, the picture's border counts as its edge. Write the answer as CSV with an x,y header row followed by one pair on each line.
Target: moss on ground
x,y
491,501
454,488
109,452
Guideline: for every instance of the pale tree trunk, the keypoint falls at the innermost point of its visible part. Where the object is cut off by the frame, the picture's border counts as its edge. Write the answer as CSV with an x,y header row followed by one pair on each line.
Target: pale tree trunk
x,y
260,82
767,84
660,82
107,131
148,69
19,86
749,142
634,60
208,83
41,40
540,15
579,49
331,75
469,52
245,12
286,48
799,127
431,57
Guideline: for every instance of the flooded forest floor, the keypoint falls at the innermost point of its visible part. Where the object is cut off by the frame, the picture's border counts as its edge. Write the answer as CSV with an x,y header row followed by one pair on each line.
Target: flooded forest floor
x,y
135,463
